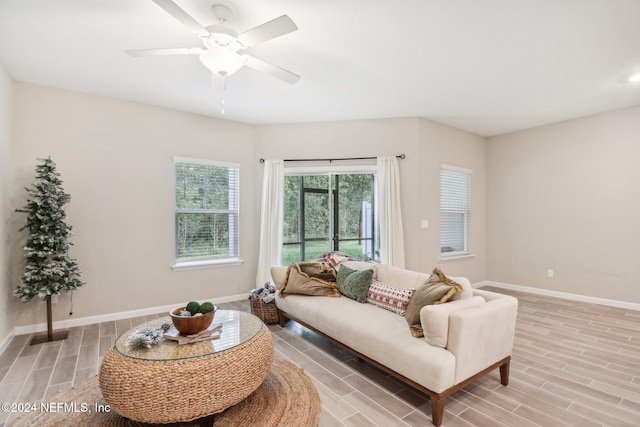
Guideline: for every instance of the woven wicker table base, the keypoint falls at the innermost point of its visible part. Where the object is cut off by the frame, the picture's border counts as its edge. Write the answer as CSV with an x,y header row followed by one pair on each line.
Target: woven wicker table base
x,y
169,391
286,398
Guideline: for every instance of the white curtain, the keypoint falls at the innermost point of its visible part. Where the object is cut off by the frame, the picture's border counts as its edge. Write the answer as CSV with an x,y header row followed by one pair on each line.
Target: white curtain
x,y
389,212
271,219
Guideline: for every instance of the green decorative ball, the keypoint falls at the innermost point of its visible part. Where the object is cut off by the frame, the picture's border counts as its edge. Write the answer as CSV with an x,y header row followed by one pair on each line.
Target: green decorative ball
x,y
193,307
207,307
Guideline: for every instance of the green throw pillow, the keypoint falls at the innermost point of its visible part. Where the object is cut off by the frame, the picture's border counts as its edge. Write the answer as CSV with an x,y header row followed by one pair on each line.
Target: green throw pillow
x,y
354,284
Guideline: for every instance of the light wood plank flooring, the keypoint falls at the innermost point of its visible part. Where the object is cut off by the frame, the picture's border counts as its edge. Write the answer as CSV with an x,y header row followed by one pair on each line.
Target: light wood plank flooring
x,y
574,364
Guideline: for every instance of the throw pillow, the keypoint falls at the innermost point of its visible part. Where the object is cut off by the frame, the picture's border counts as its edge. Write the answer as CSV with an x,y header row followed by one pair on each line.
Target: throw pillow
x,y
334,257
437,289
321,270
354,284
389,297
299,282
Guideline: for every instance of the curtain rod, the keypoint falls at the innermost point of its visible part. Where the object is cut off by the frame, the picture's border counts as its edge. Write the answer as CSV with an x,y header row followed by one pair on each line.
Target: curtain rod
x,y
401,157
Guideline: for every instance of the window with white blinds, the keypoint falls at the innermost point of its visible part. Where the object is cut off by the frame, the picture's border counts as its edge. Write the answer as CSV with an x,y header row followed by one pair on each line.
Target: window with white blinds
x,y
455,210
206,210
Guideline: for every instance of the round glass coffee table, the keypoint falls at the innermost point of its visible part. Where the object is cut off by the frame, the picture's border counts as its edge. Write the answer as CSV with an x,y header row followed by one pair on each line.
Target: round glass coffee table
x,y
172,383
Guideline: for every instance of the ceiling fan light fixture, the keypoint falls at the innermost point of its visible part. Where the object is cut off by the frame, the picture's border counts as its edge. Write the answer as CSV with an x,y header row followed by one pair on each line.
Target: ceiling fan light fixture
x,y
222,43
222,62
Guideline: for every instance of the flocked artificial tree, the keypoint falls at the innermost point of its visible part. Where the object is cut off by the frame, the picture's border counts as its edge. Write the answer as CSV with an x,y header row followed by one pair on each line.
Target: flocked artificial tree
x,y
49,270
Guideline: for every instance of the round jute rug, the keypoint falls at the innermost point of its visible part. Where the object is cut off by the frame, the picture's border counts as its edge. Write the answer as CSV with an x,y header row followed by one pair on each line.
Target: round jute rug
x,y
287,397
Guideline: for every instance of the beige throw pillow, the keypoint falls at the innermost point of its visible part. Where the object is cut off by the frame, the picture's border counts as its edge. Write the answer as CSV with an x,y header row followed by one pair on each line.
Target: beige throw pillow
x,y
437,289
321,270
299,282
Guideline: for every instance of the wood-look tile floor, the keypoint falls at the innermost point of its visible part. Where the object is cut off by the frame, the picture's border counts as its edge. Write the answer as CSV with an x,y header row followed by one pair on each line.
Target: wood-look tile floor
x,y
573,364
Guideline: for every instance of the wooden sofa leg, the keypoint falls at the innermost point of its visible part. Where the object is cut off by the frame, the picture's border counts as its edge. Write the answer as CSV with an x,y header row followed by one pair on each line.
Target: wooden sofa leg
x,y
282,319
504,372
437,409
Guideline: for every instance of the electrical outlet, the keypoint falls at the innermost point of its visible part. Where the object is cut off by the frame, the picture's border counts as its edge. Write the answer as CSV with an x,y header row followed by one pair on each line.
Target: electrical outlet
x,y
550,273
54,299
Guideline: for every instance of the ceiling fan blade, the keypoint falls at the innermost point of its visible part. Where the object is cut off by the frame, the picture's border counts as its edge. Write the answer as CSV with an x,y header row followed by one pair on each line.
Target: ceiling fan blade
x,y
178,13
267,31
218,82
270,69
170,51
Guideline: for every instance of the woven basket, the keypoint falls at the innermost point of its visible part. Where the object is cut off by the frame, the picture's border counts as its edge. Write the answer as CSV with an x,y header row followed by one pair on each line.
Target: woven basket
x,y
267,312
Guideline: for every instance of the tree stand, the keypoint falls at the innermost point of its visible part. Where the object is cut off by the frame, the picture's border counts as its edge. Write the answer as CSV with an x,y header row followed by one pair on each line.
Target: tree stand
x,y
50,335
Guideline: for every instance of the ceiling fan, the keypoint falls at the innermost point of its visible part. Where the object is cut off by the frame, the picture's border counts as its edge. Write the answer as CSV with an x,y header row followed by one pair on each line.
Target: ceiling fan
x,y
222,45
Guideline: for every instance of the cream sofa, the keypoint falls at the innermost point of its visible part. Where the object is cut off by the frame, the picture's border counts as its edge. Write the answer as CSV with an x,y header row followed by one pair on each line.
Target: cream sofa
x,y
464,338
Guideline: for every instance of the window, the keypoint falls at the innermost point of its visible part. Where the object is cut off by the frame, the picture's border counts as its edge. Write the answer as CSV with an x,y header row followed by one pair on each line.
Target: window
x,y
455,211
329,212
206,211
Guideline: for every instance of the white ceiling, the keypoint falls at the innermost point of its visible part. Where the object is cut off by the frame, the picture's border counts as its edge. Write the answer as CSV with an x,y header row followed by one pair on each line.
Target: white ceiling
x,y
486,66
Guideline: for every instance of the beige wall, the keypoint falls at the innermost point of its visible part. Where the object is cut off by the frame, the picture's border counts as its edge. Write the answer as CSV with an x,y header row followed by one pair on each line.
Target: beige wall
x,y
561,197
116,161
567,197
443,144
115,158
6,298
426,144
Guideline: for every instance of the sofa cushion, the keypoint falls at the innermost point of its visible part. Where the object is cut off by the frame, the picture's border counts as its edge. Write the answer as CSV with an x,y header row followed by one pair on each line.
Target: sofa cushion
x,y
354,284
389,297
435,319
299,282
437,290
400,277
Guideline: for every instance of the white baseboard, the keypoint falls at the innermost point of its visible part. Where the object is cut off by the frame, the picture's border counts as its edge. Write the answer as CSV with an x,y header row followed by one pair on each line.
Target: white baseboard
x,y
81,321
5,342
558,294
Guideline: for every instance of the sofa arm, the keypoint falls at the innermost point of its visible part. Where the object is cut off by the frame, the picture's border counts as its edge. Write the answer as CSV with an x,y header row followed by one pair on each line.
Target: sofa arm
x,y
483,335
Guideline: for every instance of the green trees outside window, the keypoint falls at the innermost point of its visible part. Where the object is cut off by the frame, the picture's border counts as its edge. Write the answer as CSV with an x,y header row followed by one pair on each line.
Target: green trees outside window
x,y
206,197
329,212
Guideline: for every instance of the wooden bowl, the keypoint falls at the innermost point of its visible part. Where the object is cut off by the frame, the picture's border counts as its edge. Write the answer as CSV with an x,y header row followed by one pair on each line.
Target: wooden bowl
x,y
189,325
